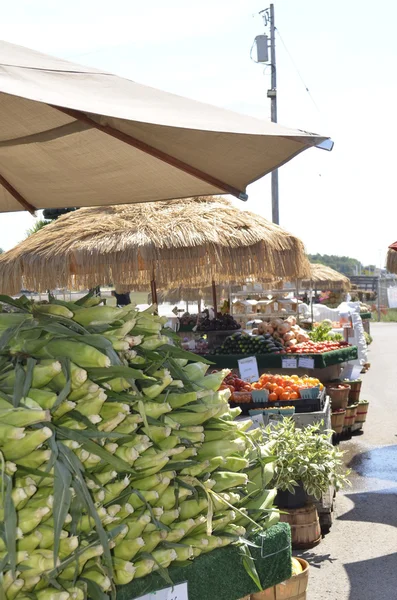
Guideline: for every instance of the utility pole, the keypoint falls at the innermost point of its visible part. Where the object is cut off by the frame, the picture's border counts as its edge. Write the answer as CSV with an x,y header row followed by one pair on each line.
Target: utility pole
x,y
262,44
272,94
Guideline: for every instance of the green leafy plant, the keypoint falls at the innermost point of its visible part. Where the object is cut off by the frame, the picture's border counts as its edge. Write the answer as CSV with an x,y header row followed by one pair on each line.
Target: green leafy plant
x,y
305,456
323,332
368,338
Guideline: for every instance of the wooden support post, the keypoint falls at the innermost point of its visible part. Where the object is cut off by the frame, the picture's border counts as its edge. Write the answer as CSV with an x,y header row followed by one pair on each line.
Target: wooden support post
x,y
214,299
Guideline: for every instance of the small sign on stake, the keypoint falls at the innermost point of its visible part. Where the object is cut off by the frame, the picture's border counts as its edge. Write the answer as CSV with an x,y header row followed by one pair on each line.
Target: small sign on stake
x,y
305,362
257,421
178,592
248,368
289,363
351,372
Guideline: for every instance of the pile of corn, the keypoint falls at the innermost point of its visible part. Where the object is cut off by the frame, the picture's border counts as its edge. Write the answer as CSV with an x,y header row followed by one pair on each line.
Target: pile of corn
x,y
119,454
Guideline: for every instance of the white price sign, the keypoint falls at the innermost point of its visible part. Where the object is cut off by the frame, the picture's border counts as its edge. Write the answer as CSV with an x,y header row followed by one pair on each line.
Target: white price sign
x,y
178,592
248,368
351,372
305,362
257,421
289,363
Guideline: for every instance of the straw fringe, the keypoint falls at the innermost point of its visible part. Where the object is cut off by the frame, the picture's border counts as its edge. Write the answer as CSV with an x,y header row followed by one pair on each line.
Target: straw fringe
x,y
391,263
192,241
324,276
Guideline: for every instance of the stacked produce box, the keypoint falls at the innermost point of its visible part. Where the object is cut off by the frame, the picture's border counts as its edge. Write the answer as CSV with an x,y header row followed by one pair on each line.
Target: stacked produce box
x,y
120,455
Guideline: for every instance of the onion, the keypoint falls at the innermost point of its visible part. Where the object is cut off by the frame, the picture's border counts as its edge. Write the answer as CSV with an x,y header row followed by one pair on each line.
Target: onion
x,y
284,328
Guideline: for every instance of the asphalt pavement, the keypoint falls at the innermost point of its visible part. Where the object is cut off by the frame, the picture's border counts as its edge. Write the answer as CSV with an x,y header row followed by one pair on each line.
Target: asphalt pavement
x,y
357,559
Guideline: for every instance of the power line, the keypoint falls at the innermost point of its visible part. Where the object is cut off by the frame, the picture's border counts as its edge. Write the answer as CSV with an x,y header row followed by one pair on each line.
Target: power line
x,y
297,70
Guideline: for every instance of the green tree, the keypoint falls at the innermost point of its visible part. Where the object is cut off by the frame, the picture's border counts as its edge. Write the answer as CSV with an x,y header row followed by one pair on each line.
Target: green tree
x,y
343,264
36,227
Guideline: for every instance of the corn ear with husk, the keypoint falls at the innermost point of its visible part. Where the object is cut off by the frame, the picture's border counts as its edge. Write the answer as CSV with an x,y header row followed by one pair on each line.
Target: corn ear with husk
x,y
160,466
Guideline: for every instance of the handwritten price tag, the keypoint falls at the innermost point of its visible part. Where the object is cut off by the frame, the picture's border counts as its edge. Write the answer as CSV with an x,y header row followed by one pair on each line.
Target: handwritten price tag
x,y
257,421
248,368
178,592
305,362
289,363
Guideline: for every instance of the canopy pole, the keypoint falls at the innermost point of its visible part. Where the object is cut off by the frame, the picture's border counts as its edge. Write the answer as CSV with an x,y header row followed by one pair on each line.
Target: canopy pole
x,y
7,186
214,299
163,156
153,289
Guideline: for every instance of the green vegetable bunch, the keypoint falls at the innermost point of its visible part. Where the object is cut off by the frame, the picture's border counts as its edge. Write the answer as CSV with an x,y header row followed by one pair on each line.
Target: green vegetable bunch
x,y
119,454
323,333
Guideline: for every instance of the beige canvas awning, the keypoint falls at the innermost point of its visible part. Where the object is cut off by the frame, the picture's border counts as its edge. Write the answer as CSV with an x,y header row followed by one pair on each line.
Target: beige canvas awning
x,y
76,136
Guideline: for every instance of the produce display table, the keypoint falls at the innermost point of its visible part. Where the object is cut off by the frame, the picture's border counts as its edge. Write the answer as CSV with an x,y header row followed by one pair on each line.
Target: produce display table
x,y
220,574
366,316
274,361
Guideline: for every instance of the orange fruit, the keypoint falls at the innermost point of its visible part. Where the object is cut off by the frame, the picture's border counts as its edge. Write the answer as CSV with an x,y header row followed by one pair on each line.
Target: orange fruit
x,y
285,396
273,397
279,390
288,388
273,386
268,385
294,396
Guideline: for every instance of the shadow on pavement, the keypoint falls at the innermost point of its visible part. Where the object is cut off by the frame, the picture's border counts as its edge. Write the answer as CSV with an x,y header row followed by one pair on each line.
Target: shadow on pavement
x,y
380,463
374,579
373,507
315,560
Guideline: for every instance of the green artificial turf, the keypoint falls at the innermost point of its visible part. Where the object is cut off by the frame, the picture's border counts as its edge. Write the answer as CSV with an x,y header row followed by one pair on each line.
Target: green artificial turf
x,y
220,575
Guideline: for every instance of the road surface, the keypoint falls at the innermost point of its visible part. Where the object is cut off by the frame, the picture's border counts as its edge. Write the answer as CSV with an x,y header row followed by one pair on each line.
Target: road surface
x,y
357,560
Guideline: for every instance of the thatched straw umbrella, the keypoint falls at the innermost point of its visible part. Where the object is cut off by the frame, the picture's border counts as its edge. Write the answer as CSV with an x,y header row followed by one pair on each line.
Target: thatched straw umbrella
x,y
194,241
324,277
205,293
391,263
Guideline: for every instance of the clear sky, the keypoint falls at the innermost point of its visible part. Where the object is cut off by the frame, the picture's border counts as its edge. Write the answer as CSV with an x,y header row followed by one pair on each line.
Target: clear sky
x,y
341,202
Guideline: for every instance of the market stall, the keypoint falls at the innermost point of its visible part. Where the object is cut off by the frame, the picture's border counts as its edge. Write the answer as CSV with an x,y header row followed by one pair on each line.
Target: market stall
x,y
101,484
139,446
60,257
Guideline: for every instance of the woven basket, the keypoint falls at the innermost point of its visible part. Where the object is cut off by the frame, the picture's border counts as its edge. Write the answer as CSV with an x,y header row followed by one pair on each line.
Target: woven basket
x,y
292,589
339,396
362,411
338,420
305,526
350,416
354,394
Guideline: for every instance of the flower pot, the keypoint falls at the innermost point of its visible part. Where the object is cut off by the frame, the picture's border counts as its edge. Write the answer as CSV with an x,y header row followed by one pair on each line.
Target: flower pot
x,y
337,420
285,499
292,589
339,395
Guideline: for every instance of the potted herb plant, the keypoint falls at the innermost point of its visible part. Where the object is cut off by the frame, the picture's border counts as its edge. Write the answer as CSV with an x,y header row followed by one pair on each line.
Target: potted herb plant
x,y
306,462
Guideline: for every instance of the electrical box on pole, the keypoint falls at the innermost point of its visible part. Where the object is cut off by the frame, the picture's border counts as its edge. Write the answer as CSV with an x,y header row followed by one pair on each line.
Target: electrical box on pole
x,y
262,48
